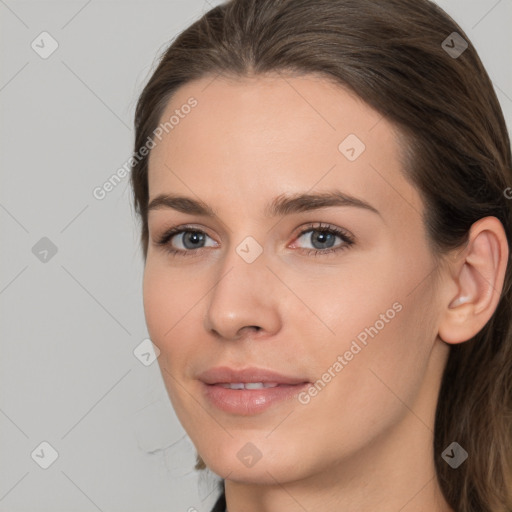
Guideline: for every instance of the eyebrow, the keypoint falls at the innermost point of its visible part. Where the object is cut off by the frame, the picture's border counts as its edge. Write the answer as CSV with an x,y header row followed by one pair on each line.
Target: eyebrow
x,y
285,204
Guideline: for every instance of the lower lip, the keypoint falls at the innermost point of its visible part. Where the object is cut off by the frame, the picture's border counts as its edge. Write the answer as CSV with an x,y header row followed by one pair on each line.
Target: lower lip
x,y
247,402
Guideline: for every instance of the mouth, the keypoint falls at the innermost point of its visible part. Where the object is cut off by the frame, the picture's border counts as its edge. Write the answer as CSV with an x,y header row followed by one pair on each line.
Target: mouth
x,y
250,391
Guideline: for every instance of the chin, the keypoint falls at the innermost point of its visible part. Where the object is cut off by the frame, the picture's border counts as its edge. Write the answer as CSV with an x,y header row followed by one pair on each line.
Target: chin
x,y
260,474
256,462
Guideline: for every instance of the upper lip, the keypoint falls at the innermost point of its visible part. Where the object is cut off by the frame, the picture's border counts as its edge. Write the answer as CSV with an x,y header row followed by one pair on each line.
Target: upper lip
x,y
224,374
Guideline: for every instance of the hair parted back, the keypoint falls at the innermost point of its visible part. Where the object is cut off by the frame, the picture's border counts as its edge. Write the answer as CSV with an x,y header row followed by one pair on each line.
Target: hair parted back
x,y
456,153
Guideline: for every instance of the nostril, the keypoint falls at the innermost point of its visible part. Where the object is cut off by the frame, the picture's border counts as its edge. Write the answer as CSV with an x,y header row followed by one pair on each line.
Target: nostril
x,y
255,328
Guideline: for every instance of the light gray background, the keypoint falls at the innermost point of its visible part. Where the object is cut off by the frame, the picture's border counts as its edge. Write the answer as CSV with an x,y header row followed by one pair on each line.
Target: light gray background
x,y
69,326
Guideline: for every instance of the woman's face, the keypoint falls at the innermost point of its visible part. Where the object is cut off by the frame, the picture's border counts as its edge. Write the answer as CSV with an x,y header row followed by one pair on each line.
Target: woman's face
x,y
276,270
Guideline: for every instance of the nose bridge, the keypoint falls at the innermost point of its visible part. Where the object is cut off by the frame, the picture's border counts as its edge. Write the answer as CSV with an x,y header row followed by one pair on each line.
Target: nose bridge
x,y
243,293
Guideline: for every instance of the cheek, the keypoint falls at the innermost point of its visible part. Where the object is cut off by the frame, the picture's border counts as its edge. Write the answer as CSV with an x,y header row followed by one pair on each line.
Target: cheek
x,y
336,307
171,309
374,357
370,387
168,301
168,308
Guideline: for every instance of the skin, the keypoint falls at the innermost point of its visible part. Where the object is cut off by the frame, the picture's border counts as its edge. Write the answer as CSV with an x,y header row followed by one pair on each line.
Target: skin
x,y
364,442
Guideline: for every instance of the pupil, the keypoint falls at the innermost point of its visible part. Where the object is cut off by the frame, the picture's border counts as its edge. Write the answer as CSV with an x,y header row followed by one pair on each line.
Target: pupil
x,y
326,240
194,238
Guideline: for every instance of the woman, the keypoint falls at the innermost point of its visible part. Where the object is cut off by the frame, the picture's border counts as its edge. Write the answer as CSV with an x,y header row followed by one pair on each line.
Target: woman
x,y
323,188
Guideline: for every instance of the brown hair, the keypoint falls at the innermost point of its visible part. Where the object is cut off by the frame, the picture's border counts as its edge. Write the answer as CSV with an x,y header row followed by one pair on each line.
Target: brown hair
x,y
390,53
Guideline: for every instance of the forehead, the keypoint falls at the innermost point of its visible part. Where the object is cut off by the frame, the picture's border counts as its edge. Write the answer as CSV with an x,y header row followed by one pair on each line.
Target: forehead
x,y
275,134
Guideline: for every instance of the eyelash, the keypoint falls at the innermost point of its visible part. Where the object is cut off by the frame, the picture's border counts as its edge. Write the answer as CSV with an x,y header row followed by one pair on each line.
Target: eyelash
x,y
348,240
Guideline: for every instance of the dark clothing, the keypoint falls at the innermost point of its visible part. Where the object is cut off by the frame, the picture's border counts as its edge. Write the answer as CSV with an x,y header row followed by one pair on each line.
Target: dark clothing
x,y
220,504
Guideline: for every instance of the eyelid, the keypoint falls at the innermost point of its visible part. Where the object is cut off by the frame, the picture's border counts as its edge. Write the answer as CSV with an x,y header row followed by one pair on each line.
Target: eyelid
x,y
167,234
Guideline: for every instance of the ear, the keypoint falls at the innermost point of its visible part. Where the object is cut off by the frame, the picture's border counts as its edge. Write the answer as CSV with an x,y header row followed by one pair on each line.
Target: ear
x,y
477,275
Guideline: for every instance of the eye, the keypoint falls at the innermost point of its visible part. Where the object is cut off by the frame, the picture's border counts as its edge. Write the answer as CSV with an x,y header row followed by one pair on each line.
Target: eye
x,y
185,240
323,239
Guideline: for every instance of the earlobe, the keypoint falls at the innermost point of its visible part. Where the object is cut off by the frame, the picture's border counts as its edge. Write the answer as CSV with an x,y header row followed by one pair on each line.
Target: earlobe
x,y
478,273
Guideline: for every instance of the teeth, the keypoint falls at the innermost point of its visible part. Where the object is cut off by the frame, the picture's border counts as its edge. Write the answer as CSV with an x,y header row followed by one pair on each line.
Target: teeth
x,y
249,385
254,385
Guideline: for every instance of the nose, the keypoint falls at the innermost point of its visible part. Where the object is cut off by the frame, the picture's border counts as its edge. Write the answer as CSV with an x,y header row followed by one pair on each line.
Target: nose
x,y
245,298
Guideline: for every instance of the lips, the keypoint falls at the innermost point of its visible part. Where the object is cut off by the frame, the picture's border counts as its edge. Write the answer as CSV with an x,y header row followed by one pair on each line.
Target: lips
x,y
226,375
249,391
